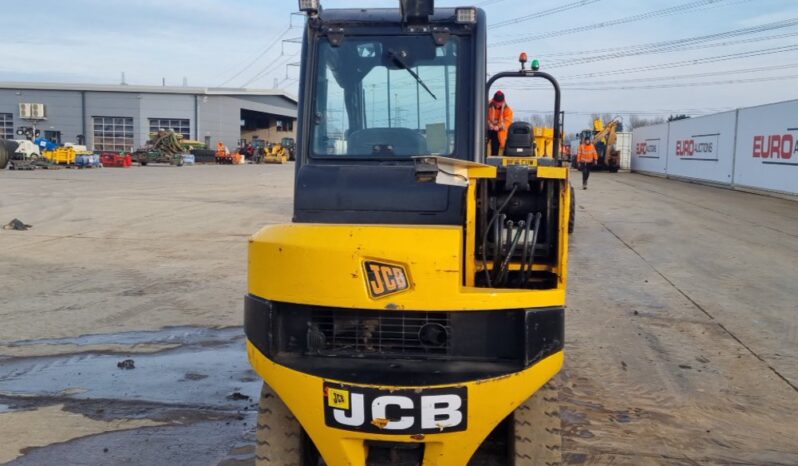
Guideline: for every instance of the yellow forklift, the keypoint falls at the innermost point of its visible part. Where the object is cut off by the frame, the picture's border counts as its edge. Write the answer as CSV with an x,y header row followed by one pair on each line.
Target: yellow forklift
x,y
412,314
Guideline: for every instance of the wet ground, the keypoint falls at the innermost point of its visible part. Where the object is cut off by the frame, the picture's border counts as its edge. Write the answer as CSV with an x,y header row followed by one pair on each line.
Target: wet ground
x,y
682,336
142,268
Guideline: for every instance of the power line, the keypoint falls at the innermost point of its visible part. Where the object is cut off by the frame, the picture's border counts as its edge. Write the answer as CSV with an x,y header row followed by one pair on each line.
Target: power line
x,y
540,14
675,49
258,57
672,85
663,78
684,7
682,85
273,65
689,43
685,63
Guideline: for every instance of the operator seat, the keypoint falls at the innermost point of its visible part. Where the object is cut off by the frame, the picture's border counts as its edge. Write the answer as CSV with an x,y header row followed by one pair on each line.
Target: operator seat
x,y
520,142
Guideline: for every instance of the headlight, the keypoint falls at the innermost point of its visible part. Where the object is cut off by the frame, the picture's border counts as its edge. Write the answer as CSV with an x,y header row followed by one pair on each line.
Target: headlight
x,y
466,15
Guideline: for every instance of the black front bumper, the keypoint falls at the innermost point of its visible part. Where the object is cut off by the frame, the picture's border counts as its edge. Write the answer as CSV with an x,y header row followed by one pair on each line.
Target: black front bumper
x,y
402,348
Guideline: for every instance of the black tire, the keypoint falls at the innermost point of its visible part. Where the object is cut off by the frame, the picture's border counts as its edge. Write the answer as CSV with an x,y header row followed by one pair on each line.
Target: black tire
x,y
5,155
10,148
613,169
278,433
538,432
572,213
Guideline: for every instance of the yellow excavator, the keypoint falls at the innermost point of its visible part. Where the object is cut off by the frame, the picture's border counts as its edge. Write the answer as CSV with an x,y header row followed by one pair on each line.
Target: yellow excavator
x,y
604,137
412,314
275,153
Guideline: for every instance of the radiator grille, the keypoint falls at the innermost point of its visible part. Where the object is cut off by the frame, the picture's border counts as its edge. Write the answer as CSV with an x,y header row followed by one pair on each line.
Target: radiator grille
x,y
393,333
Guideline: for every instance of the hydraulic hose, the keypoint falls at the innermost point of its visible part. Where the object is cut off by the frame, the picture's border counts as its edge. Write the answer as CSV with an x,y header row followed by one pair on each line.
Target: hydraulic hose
x,y
487,229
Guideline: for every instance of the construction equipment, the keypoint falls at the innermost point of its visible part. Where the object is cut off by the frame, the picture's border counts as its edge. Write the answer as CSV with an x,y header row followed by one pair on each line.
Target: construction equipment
x,y
275,153
115,159
290,145
7,150
60,156
162,147
225,157
413,312
604,137
23,155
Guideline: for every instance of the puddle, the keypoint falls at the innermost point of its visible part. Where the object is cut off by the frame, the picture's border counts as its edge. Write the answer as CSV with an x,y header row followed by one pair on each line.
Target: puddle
x,y
200,376
168,335
206,443
204,386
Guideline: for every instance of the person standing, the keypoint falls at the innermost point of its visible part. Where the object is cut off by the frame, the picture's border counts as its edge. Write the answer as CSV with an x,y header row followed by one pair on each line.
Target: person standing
x,y
500,117
586,158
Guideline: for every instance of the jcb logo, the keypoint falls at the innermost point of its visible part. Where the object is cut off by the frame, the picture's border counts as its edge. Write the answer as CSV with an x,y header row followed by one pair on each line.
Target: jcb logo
x,y
384,279
396,412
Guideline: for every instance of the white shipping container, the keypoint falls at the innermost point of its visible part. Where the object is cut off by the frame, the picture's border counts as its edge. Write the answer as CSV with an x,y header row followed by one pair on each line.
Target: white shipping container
x,y
702,148
624,146
649,152
767,148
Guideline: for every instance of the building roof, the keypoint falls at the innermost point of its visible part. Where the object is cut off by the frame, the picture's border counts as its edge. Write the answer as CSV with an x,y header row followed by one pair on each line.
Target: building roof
x,y
231,91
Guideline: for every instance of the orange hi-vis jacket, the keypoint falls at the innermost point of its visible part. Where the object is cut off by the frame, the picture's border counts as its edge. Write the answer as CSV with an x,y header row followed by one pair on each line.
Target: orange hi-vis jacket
x,y
501,117
587,154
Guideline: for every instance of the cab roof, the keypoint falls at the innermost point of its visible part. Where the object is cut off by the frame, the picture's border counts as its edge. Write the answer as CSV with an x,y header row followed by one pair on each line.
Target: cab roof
x,y
380,15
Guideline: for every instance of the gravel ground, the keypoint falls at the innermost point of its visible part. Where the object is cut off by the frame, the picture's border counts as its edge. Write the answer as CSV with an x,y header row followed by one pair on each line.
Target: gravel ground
x,y
681,330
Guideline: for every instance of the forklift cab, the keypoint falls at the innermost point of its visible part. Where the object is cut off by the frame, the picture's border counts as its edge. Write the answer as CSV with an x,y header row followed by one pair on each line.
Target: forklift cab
x,y
380,88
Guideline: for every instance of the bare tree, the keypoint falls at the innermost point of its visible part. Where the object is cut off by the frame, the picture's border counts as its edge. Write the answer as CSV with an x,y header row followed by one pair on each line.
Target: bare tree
x,y
638,122
542,121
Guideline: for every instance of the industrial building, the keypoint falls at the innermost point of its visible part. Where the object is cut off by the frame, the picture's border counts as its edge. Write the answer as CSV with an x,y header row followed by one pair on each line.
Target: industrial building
x,y
121,117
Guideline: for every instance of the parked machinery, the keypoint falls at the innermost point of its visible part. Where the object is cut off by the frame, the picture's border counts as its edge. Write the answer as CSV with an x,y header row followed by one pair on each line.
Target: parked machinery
x,y
7,150
413,312
163,147
290,145
276,153
225,157
604,137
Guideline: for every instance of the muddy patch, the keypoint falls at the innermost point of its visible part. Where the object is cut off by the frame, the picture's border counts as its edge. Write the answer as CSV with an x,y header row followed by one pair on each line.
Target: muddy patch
x,y
157,377
205,443
199,393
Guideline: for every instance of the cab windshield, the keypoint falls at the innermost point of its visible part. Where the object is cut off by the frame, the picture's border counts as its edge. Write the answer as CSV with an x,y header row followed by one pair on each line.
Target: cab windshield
x,y
385,97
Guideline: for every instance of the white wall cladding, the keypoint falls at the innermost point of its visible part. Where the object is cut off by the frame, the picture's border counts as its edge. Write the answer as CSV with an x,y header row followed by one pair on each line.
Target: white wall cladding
x,y
755,148
703,148
649,149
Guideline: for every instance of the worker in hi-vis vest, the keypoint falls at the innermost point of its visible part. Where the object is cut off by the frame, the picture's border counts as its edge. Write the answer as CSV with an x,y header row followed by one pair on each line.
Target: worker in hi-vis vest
x,y
500,117
586,158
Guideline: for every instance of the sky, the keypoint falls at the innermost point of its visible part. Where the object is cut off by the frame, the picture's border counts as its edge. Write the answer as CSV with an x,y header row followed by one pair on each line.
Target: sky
x,y
242,43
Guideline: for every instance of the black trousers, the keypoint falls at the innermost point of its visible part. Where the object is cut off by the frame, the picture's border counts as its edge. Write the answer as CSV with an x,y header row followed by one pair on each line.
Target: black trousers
x,y
585,168
493,139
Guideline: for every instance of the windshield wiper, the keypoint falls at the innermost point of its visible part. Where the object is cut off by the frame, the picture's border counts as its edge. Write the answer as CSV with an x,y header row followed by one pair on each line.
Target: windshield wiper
x,y
399,60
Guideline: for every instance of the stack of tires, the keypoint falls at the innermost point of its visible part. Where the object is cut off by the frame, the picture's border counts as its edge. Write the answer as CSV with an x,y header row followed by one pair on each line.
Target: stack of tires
x,y
7,149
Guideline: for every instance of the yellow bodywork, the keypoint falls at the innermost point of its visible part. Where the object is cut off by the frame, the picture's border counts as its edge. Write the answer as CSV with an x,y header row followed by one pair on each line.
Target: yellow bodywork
x,y
490,401
544,141
276,154
61,156
287,261
323,265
